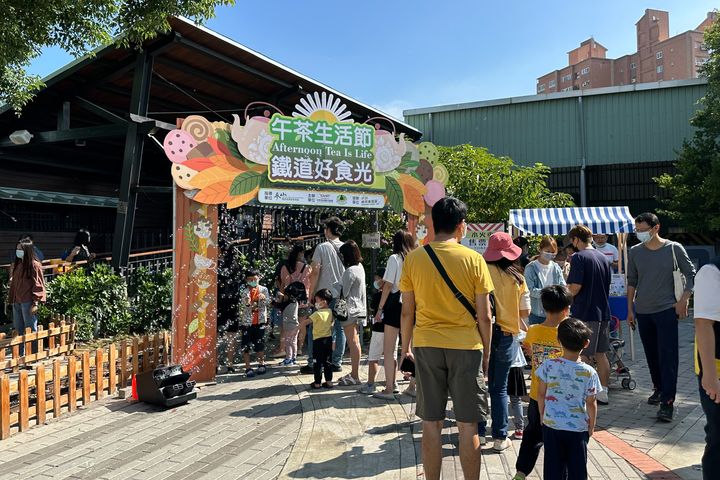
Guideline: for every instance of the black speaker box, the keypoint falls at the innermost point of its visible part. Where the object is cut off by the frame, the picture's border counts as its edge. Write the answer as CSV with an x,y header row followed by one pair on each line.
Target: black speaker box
x,y
165,386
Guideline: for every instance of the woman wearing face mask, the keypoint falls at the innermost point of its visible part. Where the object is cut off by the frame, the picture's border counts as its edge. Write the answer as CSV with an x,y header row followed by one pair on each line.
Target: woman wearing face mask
x,y
27,288
541,273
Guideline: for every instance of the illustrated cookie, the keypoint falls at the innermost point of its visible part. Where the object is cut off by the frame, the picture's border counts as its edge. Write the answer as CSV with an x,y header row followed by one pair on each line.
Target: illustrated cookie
x,y
429,152
177,145
441,174
182,176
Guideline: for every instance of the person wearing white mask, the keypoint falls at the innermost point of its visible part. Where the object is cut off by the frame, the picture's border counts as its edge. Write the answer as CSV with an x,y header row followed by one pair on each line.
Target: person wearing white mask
x,y
652,300
540,273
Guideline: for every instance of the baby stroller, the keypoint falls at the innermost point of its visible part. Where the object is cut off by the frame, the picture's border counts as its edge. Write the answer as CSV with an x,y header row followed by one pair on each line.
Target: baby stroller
x,y
617,349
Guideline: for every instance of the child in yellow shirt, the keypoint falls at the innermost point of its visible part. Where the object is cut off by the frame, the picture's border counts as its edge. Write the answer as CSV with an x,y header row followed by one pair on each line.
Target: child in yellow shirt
x,y
322,322
540,344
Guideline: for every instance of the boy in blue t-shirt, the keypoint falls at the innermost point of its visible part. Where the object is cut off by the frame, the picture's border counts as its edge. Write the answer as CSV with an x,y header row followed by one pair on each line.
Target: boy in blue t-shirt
x,y
567,403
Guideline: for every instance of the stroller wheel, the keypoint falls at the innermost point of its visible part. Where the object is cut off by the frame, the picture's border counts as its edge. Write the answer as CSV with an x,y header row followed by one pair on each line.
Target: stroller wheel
x,y
625,383
631,384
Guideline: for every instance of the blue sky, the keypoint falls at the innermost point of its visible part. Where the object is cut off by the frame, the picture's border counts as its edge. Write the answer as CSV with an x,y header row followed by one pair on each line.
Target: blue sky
x,y
397,54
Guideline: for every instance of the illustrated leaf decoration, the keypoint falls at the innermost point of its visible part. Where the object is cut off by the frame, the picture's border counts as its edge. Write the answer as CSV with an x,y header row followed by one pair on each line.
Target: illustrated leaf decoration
x,y
394,194
212,175
229,163
193,326
412,182
215,193
192,239
240,200
199,164
413,201
407,163
265,182
219,147
246,182
224,137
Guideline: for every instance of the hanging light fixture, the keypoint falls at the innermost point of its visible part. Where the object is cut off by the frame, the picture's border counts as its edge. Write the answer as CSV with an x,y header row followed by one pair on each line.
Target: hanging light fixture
x,y
21,137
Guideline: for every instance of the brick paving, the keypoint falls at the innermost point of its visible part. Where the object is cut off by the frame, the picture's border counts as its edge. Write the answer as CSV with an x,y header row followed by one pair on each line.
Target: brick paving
x,y
273,427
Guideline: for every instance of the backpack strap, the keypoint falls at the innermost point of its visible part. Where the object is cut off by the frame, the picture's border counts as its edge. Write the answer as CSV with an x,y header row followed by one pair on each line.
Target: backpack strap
x,y
456,293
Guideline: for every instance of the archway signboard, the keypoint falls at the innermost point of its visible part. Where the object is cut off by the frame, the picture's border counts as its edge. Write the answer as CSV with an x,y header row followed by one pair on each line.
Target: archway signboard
x,y
315,157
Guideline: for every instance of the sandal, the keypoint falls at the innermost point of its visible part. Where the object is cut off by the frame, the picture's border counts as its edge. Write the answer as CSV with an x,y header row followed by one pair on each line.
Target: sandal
x,y
327,385
315,386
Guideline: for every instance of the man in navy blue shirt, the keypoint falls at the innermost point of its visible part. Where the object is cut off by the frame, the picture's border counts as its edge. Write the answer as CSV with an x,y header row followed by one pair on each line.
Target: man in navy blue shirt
x,y
589,282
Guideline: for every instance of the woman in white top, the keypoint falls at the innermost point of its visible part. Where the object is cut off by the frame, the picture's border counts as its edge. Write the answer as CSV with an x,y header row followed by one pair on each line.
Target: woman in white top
x,y
390,308
542,273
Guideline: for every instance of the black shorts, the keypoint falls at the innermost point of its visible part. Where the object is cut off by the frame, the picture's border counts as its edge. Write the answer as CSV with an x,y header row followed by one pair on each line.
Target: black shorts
x,y
392,313
253,339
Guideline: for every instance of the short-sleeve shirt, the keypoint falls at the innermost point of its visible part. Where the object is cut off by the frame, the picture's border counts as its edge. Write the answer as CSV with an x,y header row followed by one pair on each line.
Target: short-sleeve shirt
x,y
590,269
322,321
707,305
331,268
393,270
611,253
508,297
441,321
568,385
543,344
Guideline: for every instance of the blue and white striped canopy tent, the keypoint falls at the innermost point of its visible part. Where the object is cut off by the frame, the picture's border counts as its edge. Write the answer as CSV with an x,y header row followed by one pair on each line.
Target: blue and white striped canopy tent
x,y
559,221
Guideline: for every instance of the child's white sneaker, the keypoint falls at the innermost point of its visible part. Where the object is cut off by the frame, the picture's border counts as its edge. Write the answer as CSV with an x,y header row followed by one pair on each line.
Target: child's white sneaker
x,y
500,445
602,397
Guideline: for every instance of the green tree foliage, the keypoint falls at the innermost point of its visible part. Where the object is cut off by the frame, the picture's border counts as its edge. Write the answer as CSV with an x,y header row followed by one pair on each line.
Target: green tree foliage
x,y
26,27
693,192
492,186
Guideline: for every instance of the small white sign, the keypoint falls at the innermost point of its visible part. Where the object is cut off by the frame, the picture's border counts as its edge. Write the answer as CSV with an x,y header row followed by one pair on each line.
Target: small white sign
x,y
282,196
479,233
371,240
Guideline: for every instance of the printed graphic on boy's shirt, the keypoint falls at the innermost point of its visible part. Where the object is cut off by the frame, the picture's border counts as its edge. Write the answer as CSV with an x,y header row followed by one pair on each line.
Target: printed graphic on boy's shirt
x,y
541,352
568,385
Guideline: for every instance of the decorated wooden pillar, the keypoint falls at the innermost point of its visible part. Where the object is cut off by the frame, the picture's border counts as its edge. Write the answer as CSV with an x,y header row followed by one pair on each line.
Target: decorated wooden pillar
x,y
195,290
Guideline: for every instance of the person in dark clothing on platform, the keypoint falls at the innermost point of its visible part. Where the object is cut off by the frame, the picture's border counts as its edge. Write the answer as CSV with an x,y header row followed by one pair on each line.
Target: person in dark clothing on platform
x,y
653,300
589,282
81,248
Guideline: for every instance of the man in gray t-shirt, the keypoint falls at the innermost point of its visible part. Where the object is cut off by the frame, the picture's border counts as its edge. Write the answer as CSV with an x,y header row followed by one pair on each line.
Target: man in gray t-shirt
x,y
651,298
326,270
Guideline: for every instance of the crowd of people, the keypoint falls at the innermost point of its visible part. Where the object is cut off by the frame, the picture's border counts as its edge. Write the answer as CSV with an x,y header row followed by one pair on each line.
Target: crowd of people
x,y
468,324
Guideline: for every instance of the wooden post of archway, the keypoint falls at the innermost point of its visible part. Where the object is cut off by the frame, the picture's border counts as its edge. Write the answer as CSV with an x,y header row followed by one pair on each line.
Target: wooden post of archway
x,y
194,338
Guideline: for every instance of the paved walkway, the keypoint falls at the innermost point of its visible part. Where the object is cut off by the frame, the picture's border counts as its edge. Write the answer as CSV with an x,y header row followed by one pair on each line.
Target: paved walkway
x,y
273,427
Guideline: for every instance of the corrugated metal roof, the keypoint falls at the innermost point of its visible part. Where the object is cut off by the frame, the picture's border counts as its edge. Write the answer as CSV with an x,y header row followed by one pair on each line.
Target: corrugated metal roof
x,y
640,123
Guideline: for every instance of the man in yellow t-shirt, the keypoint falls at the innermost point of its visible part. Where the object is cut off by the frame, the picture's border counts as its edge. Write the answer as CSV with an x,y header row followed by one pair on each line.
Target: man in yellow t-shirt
x,y
707,361
446,340
541,343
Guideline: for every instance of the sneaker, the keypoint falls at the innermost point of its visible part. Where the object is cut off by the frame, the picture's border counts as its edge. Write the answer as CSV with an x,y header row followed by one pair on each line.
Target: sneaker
x,y
384,396
602,397
410,392
396,388
500,445
665,414
249,373
654,399
261,369
483,440
222,369
518,434
348,380
337,368
307,369
286,362
367,389
293,362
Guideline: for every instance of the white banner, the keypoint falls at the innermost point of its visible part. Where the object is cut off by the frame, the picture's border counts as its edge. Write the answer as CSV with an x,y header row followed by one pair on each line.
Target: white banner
x,y
282,196
479,233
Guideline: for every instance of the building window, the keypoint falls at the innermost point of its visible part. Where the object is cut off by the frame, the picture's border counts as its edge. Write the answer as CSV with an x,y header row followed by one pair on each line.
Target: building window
x,y
585,70
552,84
659,69
566,78
658,55
541,87
633,66
567,89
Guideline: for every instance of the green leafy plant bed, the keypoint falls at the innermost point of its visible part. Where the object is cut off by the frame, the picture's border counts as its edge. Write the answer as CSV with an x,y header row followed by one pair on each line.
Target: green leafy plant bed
x,y
105,304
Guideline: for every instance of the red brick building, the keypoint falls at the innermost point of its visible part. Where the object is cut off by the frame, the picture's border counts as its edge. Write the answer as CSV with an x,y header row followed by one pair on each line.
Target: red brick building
x,y
658,57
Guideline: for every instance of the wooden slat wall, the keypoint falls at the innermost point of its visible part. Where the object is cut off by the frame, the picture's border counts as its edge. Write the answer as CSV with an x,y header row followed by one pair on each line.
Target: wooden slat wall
x,y
54,387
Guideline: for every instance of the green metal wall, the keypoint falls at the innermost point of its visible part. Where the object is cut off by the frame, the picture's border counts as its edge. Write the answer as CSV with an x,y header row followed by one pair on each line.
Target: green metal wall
x,y
627,127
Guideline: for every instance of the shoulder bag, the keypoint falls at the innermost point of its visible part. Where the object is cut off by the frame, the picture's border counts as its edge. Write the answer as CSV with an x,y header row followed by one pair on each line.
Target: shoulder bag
x,y
678,277
456,293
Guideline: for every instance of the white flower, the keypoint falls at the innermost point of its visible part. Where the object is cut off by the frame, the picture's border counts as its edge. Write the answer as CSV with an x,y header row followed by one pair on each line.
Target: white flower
x,y
260,148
